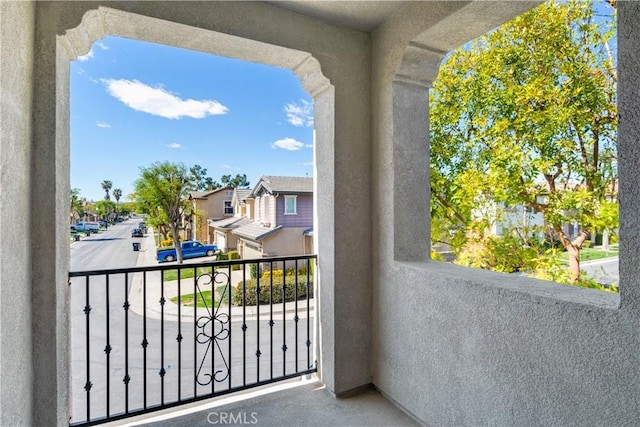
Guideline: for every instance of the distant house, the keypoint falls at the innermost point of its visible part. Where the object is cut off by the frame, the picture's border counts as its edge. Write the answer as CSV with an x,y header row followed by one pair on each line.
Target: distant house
x,y
213,205
282,220
221,230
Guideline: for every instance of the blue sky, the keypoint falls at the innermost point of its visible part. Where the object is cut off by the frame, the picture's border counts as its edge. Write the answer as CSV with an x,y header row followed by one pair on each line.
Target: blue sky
x,y
134,103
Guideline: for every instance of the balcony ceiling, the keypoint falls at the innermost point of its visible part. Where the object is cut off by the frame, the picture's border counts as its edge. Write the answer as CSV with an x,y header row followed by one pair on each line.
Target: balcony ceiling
x,y
361,15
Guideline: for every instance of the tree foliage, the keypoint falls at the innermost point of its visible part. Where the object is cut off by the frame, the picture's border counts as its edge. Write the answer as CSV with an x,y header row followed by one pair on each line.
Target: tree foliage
x,y
162,191
238,181
104,207
201,181
106,186
76,208
526,116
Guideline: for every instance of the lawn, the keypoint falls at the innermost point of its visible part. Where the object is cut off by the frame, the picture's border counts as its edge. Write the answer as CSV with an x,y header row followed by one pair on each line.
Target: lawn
x,y
204,299
185,273
590,254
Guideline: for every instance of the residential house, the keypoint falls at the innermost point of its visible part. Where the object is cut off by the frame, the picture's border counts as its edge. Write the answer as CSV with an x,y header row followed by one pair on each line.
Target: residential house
x,y
212,205
447,344
282,218
221,229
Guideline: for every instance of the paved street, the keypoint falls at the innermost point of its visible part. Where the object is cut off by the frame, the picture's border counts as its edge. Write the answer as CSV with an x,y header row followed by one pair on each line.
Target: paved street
x,y
603,270
178,355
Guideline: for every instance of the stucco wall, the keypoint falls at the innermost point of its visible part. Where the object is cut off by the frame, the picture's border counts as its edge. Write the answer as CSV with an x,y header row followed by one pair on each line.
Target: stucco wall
x,y
455,346
16,376
451,346
341,154
287,241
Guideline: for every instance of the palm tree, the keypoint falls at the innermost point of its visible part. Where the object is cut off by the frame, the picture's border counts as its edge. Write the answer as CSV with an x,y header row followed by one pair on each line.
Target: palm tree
x,y
106,186
117,193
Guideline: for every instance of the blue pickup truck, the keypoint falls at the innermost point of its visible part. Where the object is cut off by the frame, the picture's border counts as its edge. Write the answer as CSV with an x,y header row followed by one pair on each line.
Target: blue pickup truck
x,y
190,249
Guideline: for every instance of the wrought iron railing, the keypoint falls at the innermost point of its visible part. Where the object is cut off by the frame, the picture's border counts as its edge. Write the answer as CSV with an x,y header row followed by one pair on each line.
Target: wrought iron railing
x,y
149,338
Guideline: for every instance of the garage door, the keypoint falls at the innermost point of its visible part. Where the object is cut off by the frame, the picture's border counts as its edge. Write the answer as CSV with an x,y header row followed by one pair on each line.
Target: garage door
x,y
221,241
250,251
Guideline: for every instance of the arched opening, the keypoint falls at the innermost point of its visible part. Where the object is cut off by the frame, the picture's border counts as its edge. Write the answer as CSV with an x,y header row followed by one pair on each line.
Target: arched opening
x,y
77,42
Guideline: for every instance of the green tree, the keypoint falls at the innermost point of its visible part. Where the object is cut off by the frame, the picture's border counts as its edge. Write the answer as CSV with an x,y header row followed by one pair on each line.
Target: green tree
x,y
106,186
162,190
117,194
76,203
104,208
238,181
203,182
526,116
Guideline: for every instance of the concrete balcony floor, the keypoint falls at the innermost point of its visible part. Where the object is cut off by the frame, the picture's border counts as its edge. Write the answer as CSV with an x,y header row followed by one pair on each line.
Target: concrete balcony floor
x,y
299,403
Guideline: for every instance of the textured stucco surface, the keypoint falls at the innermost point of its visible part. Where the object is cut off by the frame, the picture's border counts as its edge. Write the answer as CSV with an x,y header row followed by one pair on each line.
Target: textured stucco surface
x,y
456,346
333,64
449,345
16,377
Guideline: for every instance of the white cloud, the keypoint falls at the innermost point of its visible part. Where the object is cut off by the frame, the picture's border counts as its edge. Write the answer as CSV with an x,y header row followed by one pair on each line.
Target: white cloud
x,y
86,57
300,114
307,164
288,144
174,145
103,125
226,167
160,102
103,46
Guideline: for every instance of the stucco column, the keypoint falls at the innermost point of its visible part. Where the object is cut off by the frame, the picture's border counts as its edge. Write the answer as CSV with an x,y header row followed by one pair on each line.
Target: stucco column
x,y
411,230
342,220
411,193
629,152
17,28
49,226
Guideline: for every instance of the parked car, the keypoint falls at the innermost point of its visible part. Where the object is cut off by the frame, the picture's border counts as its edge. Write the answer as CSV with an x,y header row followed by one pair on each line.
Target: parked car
x,y
137,233
92,227
190,249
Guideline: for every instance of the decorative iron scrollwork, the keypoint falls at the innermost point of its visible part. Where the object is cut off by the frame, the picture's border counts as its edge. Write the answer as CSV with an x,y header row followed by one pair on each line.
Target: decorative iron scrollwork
x,y
214,327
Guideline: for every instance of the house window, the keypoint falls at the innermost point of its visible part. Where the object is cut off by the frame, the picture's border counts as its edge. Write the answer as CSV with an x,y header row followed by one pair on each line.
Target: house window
x,y
228,207
228,193
290,205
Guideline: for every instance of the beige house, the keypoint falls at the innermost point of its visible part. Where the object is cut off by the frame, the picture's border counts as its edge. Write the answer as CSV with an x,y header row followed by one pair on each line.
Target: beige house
x,y
221,230
208,206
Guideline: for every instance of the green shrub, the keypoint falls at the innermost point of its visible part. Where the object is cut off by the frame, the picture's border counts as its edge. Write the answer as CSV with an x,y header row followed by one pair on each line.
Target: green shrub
x,y
222,256
265,289
254,270
586,244
234,255
276,274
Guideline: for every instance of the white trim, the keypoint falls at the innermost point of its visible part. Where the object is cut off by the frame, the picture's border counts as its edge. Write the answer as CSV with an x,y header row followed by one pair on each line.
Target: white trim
x,y
295,205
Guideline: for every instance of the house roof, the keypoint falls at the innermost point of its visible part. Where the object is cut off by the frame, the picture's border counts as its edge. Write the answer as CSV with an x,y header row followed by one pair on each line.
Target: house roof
x,y
232,222
255,231
243,193
284,185
205,194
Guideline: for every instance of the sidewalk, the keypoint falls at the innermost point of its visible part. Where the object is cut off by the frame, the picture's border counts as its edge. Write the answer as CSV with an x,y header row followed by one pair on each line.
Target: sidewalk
x,y
137,296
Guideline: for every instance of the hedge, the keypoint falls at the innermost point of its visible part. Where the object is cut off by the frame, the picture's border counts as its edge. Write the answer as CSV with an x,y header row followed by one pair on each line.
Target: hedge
x,y
265,287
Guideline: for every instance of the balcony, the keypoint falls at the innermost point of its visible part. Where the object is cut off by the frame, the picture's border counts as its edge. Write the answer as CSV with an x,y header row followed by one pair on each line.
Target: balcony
x,y
154,337
300,403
